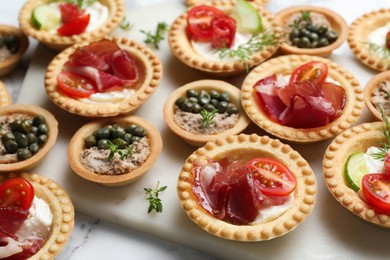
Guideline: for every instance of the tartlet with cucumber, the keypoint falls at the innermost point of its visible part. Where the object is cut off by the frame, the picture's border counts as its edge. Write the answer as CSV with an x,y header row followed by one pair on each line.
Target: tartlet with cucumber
x,y
62,23
224,38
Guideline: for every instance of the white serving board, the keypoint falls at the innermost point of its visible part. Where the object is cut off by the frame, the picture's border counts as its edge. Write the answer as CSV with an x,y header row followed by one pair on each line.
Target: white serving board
x,y
330,232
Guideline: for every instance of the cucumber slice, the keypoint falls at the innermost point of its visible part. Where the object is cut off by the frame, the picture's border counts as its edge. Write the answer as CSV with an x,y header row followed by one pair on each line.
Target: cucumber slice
x,y
45,17
247,18
355,169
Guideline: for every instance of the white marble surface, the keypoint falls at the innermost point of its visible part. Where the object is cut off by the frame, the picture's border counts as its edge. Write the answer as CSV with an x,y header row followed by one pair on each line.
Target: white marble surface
x,y
93,238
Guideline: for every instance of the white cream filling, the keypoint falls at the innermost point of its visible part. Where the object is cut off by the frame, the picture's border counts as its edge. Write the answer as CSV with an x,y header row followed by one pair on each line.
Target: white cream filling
x,y
373,165
109,97
378,36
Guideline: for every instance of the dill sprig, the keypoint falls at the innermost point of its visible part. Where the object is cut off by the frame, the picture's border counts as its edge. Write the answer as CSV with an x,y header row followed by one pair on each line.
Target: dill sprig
x,y
255,44
386,132
208,117
154,201
114,148
155,39
379,50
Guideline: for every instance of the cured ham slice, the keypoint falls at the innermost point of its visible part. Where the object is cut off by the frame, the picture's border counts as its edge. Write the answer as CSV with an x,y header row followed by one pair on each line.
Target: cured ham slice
x,y
11,219
123,65
85,57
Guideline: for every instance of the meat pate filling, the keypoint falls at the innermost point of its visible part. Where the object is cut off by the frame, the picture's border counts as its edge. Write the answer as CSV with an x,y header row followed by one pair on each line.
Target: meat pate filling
x,y
381,97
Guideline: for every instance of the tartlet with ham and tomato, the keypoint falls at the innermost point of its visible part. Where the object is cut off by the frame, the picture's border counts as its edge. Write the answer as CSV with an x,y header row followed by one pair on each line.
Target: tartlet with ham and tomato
x,y
37,217
247,188
60,24
302,98
224,38
103,78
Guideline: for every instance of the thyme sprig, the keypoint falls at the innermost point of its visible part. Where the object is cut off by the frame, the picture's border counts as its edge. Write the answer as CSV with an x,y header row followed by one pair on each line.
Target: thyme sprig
x,y
154,201
114,148
255,44
305,18
125,24
155,39
379,50
208,117
386,132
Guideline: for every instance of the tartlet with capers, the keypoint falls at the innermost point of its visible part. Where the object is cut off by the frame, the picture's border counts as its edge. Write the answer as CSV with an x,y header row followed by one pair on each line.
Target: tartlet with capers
x,y
115,151
27,134
205,110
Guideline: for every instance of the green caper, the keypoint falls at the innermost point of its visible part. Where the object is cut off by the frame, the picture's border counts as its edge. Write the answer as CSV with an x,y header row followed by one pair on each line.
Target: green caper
x,y
232,109
314,44
294,33
39,120
15,125
204,97
180,101
41,139
192,93
131,128
117,132
120,143
103,144
214,94
127,137
11,146
312,28
135,139
225,96
209,107
10,40
331,36
222,106
21,139
196,108
34,130
295,41
25,126
304,33
214,102
42,129
313,37
31,138
304,42
322,29
187,107
102,133
90,141
23,154
323,42
194,100
139,131
34,148
8,136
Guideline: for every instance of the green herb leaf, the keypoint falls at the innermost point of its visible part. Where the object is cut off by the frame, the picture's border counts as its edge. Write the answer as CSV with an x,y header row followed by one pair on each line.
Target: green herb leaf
x,y
306,16
379,50
154,201
123,153
208,117
386,132
125,24
155,39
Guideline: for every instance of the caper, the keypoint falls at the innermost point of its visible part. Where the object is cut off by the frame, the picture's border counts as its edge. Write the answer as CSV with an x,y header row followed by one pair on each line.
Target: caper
x,y
214,102
194,100
204,97
304,42
322,29
312,28
294,33
8,136
179,102
9,40
11,146
23,154
314,44
214,94
39,120
196,108
1,41
232,110
313,37
34,148
21,139
42,129
192,93
305,33
120,143
222,106
15,125
323,42
90,141
187,107
127,137
209,107
295,41
31,138
135,139
331,36
103,144
34,130
41,139
131,128
110,127
102,133
225,96
117,132
139,131
25,126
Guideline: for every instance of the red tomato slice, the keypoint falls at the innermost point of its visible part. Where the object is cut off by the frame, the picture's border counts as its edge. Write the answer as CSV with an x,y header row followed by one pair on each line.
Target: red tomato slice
x,y
75,26
224,30
272,177
376,189
16,192
199,22
313,71
70,12
75,85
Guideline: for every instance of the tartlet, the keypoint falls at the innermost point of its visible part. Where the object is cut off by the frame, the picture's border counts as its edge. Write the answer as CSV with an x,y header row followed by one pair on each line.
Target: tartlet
x,y
76,145
368,92
358,34
60,206
151,73
285,65
5,97
356,139
197,2
247,147
52,126
57,42
336,22
181,45
9,64
207,85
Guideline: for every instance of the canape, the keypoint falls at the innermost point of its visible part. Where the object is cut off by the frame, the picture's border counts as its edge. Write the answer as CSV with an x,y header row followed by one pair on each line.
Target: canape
x,y
223,188
376,95
5,97
27,134
205,110
114,152
302,98
42,219
103,78
311,30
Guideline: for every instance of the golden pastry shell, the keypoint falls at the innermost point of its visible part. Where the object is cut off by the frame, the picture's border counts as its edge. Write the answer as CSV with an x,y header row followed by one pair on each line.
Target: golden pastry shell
x,y
358,34
356,139
182,49
52,125
369,89
208,85
148,83
60,206
198,2
248,147
57,42
336,21
5,98
76,145
9,64
285,65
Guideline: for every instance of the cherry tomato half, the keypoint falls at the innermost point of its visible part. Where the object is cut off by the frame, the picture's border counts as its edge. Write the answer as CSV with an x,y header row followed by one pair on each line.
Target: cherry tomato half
x,y
75,26
272,177
75,85
314,71
16,192
224,30
199,22
70,11
376,189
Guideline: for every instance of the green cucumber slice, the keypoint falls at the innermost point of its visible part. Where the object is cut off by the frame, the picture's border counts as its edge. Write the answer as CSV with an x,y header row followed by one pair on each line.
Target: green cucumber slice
x,y
45,17
355,169
247,18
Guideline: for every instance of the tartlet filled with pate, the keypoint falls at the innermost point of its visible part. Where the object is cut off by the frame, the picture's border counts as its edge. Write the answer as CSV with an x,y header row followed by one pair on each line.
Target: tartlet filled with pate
x,y
376,95
103,78
114,152
205,110
247,188
60,24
